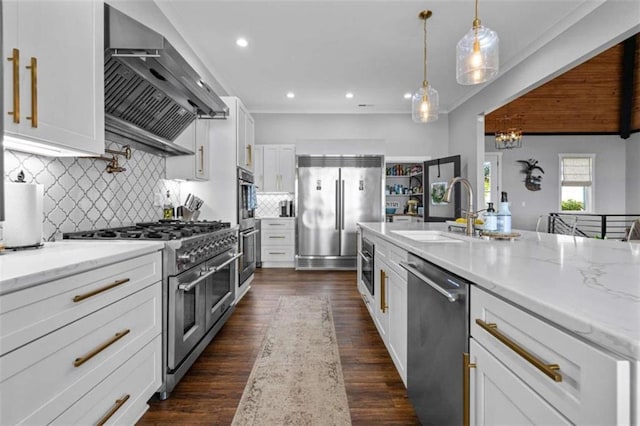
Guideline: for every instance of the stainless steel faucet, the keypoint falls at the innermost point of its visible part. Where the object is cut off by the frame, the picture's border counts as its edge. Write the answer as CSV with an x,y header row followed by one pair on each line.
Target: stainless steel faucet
x,y
470,214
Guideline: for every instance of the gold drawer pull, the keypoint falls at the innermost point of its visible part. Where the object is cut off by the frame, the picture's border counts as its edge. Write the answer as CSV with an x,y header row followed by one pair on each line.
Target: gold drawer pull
x,y
277,237
80,297
119,403
15,59
79,361
383,291
33,66
550,370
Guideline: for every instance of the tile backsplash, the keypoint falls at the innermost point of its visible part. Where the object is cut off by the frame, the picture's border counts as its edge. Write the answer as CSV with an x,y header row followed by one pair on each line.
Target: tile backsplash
x,y
268,204
80,195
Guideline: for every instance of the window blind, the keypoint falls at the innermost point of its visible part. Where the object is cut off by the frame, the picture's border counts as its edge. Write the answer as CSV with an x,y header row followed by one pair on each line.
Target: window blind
x,y
577,171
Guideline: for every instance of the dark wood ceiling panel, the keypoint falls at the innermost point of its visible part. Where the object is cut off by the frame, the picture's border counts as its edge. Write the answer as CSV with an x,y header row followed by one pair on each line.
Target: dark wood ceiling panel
x,y
585,99
635,115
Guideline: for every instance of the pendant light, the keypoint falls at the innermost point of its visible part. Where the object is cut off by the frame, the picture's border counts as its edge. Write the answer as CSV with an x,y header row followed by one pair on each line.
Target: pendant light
x,y
477,54
424,103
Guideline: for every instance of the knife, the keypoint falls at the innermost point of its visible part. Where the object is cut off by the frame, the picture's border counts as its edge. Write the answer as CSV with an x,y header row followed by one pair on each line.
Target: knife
x,y
186,202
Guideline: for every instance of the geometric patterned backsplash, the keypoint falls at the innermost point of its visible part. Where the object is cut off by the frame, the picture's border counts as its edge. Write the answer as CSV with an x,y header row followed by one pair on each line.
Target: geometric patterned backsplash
x,y
80,195
268,204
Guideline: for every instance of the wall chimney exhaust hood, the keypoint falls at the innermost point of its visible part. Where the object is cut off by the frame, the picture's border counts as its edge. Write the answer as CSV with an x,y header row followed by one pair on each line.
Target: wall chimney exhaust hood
x,y
151,93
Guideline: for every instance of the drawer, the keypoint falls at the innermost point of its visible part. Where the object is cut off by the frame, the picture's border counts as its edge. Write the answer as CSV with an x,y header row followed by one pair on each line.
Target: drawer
x,y
278,238
133,383
402,219
40,380
33,312
395,255
268,224
277,254
594,386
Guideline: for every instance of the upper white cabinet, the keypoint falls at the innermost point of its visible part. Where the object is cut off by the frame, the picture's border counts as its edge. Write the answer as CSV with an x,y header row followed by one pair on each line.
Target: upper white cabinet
x,y
244,131
258,167
192,167
279,163
54,80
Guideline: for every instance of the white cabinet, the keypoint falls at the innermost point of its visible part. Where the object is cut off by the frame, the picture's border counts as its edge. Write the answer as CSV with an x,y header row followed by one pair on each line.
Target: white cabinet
x,y
54,84
279,164
519,357
71,343
244,131
258,167
192,167
278,243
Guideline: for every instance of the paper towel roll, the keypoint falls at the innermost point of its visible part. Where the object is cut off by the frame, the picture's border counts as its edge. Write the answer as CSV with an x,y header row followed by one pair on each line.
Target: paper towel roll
x,y
23,214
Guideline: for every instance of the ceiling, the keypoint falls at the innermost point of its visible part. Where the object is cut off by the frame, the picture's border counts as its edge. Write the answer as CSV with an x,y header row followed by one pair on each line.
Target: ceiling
x,y
320,50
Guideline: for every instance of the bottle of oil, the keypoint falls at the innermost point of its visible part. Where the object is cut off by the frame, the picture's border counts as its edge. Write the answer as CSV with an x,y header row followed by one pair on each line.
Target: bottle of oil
x,y
167,209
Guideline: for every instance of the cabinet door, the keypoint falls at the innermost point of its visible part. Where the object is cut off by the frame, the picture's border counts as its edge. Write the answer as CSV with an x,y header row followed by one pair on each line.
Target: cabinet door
x,y
65,91
499,397
397,291
286,168
10,42
258,167
201,166
241,134
271,174
249,142
381,292
184,166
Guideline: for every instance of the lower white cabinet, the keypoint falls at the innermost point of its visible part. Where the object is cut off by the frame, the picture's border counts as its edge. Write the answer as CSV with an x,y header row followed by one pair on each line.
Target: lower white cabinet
x,y
519,356
104,342
278,243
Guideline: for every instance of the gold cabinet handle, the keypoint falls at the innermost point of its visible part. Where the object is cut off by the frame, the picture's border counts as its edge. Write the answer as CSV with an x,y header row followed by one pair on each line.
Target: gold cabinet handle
x,y
383,291
119,403
81,360
550,370
466,380
34,91
15,58
277,237
80,297
249,157
277,252
201,150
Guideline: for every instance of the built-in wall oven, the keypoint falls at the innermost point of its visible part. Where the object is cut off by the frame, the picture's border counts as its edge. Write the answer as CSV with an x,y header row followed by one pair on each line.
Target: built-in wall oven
x,y
366,257
247,205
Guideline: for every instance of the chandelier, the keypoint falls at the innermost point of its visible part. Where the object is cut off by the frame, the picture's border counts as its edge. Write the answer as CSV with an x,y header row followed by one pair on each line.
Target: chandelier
x,y
509,133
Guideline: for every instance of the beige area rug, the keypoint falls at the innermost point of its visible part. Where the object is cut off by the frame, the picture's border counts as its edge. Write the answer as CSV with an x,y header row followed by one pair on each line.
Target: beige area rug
x,y
297,378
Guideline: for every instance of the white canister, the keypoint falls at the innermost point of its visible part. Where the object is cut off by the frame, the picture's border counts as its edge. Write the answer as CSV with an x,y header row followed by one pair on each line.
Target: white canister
x,y
23,214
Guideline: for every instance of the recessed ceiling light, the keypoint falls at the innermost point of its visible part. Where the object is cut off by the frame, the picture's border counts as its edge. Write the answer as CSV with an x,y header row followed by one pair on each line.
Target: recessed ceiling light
x,y
407,95
291,95
242,42
349,95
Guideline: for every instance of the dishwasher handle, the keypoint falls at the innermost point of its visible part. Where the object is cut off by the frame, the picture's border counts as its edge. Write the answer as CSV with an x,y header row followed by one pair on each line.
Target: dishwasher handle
x,y
411,268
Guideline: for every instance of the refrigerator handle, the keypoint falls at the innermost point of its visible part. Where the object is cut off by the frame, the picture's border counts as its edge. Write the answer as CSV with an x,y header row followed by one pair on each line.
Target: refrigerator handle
x,y
338,204
342,206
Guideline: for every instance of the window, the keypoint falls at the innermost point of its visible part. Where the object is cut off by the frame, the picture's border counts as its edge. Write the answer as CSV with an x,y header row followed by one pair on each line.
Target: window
x,y
576,182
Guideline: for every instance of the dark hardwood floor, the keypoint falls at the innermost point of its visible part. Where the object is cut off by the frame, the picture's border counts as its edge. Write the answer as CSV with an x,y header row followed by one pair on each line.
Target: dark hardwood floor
x,y
211,390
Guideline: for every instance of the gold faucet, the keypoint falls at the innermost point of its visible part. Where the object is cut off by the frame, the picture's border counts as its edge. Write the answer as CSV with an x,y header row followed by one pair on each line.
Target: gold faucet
x,y
469,214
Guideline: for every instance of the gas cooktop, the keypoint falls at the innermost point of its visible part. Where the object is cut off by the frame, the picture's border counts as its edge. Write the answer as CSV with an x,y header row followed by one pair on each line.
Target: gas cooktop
x,y
162,230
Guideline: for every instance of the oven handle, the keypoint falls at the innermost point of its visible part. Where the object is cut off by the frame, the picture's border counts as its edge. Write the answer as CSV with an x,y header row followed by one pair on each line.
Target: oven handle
x,y
365,256
191,285
219,267
250,233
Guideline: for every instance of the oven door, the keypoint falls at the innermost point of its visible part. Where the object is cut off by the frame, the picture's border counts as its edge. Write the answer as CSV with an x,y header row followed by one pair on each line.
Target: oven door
x,y
246,199
247,264
219,286
187,323
366,256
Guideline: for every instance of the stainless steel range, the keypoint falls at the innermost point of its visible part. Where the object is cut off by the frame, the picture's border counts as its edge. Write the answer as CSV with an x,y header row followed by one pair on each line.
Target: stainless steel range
x,y
199,274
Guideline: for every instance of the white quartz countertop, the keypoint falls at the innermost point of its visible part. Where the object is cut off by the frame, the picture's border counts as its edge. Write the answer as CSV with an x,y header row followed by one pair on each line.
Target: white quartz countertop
x,y
26,268
589,287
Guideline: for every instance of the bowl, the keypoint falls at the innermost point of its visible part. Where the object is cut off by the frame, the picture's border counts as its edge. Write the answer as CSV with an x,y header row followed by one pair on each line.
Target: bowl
x,y
390,210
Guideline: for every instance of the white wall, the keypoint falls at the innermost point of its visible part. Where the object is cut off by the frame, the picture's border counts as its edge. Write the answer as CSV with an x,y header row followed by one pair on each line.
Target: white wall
x,y
527,205
633,173
608,24
389,134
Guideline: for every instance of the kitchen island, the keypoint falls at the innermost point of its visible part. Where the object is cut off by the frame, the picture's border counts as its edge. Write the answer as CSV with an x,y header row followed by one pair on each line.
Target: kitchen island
x,y
541,291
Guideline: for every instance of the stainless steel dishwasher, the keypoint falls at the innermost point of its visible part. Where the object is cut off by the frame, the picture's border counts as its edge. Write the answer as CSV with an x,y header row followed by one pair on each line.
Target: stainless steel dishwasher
x,y
438,335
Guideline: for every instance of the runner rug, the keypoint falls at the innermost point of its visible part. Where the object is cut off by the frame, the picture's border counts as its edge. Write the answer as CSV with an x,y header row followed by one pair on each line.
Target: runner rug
x,y
297,377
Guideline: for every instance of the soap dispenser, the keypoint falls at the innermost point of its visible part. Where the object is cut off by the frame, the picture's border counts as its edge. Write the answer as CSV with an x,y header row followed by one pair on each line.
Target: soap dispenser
x,y
504,215
490,219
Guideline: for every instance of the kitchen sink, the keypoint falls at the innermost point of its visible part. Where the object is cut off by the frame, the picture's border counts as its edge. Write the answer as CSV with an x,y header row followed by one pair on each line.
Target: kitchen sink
x,y
429,236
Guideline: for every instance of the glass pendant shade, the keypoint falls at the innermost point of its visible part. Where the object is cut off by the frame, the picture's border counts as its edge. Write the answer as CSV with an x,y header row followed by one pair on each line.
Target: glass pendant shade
x,y
424,104
477,54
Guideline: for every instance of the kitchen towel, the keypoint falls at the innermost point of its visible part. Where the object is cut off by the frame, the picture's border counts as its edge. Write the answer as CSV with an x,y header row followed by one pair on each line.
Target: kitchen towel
x,y
23,214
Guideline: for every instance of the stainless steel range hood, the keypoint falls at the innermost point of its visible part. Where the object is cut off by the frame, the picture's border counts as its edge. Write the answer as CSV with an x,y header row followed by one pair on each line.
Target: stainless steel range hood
x,y
151,93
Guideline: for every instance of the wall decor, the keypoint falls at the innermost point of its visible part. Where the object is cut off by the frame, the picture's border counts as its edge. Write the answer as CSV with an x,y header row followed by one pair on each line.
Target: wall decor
x,y
531,182
438,189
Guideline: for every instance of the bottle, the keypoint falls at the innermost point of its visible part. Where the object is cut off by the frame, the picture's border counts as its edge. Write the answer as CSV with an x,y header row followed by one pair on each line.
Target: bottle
x,y
167,209
490,219
504,215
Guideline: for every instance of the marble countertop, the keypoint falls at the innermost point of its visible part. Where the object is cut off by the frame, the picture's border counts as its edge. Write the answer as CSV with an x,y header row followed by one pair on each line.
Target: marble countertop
x,y
26,268
589,287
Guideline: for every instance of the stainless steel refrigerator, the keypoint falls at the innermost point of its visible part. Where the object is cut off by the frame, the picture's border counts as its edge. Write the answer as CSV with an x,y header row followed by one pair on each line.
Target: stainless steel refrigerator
x,y
333,193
